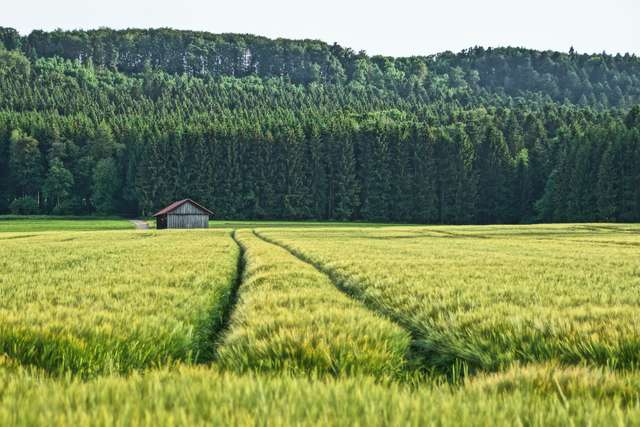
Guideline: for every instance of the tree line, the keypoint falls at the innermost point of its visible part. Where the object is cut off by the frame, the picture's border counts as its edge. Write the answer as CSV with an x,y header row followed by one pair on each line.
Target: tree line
x,y
483,167
473,137
586,79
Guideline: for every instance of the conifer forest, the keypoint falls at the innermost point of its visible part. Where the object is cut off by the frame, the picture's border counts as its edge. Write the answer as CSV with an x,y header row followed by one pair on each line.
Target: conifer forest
x,y
122,122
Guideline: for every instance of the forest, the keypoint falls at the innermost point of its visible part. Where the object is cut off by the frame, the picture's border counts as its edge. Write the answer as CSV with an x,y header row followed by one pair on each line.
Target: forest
x,y
122,122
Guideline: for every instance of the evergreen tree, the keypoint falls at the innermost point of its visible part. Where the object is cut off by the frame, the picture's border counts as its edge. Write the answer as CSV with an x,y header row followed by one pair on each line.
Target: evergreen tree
x,y
493,166
25,166
57,187
609,183
106,186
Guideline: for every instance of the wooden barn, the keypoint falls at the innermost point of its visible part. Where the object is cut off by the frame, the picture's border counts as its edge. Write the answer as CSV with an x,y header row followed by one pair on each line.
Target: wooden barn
x,y
183,214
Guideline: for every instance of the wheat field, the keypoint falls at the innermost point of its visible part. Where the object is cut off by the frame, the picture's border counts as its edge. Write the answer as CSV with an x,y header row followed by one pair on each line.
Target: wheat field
x,y
320,325
489,297
112,301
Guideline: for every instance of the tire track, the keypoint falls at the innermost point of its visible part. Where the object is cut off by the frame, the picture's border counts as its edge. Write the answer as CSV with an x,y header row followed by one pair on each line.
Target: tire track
x,y
416,358
222,323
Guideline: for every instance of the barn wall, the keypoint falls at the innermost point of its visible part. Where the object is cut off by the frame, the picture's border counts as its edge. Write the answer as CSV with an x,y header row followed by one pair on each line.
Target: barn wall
x,y
187,221
187,209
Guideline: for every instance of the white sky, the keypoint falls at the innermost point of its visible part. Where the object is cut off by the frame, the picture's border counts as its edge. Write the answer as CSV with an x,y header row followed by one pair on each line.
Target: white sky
x,y
397,28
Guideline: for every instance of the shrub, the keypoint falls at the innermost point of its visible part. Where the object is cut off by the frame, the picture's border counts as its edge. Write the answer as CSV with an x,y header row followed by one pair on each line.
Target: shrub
x,y
24,205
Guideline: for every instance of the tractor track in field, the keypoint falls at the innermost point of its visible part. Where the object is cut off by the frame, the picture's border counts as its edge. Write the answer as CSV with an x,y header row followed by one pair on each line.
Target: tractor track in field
x,y
219,334
415,357
425,351
359,297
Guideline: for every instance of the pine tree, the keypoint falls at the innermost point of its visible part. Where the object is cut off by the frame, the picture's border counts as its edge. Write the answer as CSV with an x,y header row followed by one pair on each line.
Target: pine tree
x,y
106,186
494,167
25,166
609,183
57,187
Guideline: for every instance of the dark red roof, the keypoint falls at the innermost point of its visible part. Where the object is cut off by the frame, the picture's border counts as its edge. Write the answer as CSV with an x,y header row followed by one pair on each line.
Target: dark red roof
x,y
176,205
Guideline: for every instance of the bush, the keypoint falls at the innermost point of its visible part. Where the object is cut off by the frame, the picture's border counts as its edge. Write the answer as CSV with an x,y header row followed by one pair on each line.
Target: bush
x,y
24,206
62,209
4,204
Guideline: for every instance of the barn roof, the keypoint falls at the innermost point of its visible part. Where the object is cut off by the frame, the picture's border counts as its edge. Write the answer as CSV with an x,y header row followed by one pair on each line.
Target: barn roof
x,y
175,205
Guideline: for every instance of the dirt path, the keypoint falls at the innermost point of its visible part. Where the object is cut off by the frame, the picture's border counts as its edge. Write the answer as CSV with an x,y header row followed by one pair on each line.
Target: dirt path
x,y
140,225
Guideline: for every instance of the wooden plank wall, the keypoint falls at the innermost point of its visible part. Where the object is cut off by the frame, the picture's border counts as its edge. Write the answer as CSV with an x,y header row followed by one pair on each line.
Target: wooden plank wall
x,y
187,221
187,216
187,209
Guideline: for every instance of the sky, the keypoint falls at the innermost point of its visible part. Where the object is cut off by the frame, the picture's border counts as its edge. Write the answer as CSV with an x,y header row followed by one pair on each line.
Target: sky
x,y
395,28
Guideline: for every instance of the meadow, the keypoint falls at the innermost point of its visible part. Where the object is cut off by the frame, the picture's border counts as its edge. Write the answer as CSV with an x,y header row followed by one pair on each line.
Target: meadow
x,y
311,324
13,224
